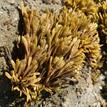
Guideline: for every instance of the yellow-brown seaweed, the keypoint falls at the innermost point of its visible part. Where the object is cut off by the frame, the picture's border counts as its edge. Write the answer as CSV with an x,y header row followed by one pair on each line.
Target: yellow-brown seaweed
x,y
56,47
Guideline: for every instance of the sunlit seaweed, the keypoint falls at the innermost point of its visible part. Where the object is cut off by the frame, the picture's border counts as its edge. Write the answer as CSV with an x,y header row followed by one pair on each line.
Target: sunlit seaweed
x,y
89,7
56,48
60,50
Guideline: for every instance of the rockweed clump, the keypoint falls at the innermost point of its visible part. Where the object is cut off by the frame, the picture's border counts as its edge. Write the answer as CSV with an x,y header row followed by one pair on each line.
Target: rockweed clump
x,y
57,46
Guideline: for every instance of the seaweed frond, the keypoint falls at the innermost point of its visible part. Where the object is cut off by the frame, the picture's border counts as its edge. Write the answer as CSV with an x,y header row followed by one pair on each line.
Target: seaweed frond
x,y
89,7
24,78
56,48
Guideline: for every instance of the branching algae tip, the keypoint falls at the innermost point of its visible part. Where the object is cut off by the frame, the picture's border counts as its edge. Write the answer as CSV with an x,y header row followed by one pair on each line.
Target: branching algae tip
x,y
56,47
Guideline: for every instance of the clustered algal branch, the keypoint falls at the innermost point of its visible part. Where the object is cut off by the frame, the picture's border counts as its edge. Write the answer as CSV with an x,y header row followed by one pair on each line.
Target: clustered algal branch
x,y
57,47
